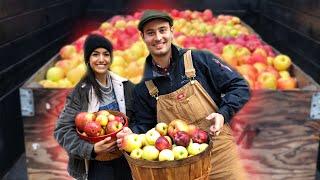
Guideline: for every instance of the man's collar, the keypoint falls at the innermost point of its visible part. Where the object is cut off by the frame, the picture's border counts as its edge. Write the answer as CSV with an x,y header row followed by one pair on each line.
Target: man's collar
x,y
150,73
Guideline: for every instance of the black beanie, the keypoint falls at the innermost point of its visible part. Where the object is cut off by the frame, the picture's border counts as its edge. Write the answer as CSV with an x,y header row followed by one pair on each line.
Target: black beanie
x,y
94,41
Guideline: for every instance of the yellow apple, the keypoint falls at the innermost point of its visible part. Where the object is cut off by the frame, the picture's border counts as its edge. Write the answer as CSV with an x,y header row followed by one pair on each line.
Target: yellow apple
x,y
203,147
179,152
136,153
267,80
150,153
151,136
284,74
162,128
282,62
55,74
194,148
131,142
166,155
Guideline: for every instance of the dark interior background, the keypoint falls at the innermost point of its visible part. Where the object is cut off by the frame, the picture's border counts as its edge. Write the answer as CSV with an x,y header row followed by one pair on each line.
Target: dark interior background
x,y
32,31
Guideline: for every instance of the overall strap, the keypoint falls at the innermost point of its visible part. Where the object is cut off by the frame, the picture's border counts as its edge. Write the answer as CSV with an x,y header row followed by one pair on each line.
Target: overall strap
x,y
153,90
188,66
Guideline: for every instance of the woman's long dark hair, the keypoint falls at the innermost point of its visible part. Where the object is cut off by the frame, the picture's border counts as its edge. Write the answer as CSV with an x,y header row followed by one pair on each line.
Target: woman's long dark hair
x,y
90,80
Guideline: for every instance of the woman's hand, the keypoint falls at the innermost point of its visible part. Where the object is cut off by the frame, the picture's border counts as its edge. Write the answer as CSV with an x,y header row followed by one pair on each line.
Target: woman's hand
x,y
120,135
218,122
105,146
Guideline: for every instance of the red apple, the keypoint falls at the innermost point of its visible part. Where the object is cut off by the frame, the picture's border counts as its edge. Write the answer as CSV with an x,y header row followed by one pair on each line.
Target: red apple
x,y
82,119
260,67
192,129
113,126
249,70
162,143
257,58
200,136
181,138
92,129
119,119
67,51
177,125
287,83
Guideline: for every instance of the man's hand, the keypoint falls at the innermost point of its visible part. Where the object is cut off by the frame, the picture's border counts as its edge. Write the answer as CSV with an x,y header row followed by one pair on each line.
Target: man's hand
x,y
218,121
105,146
125,131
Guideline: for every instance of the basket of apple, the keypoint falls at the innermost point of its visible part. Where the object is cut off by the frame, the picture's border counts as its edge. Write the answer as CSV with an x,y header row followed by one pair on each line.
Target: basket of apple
x,y
169,151
96,126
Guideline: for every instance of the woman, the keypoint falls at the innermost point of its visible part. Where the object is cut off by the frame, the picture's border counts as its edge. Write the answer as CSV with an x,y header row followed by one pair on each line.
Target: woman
x,y
99,89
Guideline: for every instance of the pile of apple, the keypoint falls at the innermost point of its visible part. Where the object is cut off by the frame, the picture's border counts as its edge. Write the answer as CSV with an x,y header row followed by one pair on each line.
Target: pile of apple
x,y
223,35
167,142
98,124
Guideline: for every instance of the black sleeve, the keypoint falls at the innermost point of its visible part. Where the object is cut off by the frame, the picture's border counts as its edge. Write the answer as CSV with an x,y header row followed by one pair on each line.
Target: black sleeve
x,y
234,89
144,110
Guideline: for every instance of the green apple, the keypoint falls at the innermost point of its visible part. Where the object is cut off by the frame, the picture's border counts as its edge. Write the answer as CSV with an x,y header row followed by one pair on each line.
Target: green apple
x,y
131,142
179,152
194,148
203,147
151,136
166,155
143,139
162,128
136,153
150,153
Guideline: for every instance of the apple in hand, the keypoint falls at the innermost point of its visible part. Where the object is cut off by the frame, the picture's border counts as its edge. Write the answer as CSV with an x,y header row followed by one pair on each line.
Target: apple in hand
x,y
150,153
166,155
200,136
179,152
282,62
151,136
162,143
136,153
162,128
177,125
114,126
131,142
181,139
194,148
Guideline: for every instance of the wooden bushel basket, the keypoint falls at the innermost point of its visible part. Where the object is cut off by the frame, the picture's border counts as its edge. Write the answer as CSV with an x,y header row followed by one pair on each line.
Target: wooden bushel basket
x,y
195,167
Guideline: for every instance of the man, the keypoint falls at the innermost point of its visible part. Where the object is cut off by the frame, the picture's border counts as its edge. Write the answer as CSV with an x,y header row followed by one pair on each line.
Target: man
x,y
190,85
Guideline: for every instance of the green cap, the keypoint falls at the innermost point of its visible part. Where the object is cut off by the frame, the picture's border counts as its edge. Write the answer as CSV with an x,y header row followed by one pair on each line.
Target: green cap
x,y
149,15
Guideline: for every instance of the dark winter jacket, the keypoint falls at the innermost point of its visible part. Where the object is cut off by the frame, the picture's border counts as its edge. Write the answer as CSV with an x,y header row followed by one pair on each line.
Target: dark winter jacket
x,y
77,101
